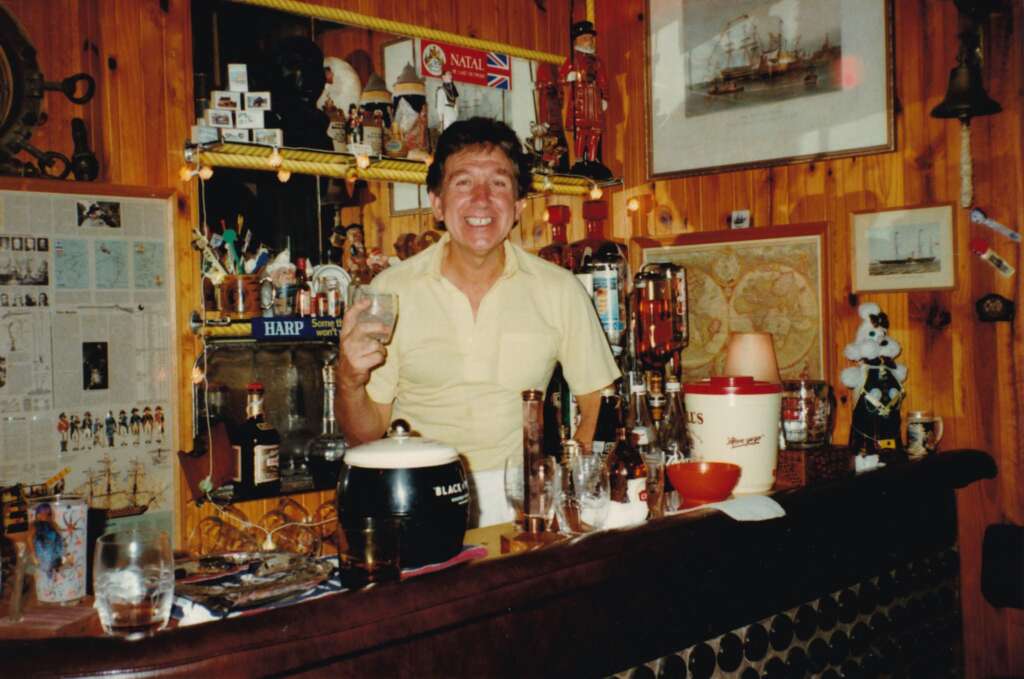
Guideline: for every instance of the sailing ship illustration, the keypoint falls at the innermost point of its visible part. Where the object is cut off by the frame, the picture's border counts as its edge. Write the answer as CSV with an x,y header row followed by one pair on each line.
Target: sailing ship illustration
x,y
739,58
915,256
120,493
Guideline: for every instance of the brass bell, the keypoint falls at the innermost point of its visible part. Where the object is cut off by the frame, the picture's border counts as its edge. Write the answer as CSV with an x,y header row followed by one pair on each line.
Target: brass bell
x,y
966,96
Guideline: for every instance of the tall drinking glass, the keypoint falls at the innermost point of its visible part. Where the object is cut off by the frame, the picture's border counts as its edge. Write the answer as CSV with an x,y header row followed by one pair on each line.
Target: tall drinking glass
x,y
544,488
133,580
655,486
585,496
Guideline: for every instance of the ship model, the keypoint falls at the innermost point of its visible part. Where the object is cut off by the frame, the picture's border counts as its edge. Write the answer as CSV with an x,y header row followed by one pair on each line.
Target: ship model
x,y
105,490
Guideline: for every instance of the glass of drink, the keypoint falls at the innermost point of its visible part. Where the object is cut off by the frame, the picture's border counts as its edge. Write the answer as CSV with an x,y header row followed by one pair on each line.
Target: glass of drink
x,y
383,309
544,489
133,580
585,496
370,550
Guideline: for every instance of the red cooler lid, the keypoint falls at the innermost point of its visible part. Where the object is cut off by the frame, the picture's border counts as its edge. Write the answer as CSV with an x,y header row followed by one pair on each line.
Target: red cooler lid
x,y
742,386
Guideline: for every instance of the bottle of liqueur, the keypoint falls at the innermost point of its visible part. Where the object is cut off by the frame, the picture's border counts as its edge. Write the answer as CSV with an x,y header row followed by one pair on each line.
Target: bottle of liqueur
x,y
294,468
672,433
628,474
260,447
637,414
325,451
608,421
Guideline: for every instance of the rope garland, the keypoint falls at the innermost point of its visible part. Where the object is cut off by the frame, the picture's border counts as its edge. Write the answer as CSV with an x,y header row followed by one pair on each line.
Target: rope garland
x,y
343,16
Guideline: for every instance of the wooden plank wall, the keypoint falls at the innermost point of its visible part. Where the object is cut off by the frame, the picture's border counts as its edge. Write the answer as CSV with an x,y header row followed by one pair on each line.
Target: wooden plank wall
x,y
967,372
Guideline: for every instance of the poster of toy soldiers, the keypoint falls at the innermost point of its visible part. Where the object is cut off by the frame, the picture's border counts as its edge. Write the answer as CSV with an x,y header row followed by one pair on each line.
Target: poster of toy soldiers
x,y
86,347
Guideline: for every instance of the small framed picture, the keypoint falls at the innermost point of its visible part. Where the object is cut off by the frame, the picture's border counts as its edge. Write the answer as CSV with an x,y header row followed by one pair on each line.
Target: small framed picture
x,y
238,78
903,249
257,101
234,135
225,100
249,119
270,137
204,134
95,367
218,118
43,244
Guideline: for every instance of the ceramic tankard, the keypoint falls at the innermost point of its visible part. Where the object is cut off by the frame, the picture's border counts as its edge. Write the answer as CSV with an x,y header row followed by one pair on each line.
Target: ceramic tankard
x,y
924,431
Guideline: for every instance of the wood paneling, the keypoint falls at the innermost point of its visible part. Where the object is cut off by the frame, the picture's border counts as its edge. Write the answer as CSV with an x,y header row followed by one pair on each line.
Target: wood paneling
x,y
970,373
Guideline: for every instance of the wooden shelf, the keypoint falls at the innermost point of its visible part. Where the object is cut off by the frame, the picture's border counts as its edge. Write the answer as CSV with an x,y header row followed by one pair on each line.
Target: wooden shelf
x,y
346,166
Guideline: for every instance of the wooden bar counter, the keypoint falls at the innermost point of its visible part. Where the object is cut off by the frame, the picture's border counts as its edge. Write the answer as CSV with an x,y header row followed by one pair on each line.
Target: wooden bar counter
x,y
871,561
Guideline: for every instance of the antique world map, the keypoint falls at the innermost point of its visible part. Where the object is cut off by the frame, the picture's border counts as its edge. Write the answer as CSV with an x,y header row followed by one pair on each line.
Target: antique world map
x,y
770,286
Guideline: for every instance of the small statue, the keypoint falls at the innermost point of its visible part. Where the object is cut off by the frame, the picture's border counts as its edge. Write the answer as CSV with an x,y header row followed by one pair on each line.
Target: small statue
x,y
877,383
353,255
446,101
584,74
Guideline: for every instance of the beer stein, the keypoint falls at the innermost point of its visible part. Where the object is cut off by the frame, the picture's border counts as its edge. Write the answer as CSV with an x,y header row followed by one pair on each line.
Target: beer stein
x,y
924,431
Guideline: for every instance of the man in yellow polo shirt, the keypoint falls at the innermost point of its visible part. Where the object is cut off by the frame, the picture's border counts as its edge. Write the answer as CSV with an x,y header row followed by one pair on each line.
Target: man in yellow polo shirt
x,y
480,320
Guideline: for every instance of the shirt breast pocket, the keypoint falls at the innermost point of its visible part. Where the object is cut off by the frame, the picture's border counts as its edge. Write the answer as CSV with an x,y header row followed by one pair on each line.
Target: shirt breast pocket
x,y
526,359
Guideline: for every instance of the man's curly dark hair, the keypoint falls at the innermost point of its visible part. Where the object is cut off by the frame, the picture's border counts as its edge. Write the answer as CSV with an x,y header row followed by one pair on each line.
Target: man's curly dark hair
x,y
486,133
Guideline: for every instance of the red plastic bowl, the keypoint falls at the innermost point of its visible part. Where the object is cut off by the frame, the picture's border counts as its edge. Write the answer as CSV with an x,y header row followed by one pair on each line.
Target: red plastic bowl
x,y
699,483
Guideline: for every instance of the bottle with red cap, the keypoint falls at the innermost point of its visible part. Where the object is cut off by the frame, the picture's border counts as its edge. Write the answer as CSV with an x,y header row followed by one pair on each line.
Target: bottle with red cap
x,y
258,448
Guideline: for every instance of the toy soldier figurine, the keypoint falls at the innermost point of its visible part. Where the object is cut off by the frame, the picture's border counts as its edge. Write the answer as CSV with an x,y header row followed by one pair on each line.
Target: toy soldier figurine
x,y
584,74
446,100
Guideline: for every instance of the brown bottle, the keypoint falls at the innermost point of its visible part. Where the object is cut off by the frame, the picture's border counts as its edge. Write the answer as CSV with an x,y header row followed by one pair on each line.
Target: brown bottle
x,y
259,449
628,474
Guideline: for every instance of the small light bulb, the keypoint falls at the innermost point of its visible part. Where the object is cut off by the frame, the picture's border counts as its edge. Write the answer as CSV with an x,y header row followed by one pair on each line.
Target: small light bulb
x,y
428,160
596,192
547,216
275,158
363,161
351,175
547,185
197,375
205,172
186,173
633,205
284,175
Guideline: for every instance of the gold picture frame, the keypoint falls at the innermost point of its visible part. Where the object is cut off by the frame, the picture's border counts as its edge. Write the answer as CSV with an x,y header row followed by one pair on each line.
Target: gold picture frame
x,y
771,279
732,87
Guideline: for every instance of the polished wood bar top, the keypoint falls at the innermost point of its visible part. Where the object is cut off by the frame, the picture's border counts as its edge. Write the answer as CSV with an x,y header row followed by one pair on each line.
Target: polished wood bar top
x,y
592,605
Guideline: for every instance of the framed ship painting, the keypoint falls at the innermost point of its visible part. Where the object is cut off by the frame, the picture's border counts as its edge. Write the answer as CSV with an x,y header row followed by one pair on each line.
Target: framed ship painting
x,y
903,249
772,279
749,83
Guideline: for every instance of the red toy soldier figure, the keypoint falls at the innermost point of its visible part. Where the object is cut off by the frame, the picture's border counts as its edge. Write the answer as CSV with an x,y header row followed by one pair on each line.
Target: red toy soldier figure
x,y
585,75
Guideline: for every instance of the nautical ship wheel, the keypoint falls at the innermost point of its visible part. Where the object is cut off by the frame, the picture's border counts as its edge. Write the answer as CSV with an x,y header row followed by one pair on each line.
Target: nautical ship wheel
x,y
21,88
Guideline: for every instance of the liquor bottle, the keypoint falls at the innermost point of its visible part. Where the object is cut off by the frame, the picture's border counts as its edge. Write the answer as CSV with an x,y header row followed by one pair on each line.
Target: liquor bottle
x,y
304,295
656,399
325,451
260,446
298,432
672,433
628,474
608,421
637,415
659,292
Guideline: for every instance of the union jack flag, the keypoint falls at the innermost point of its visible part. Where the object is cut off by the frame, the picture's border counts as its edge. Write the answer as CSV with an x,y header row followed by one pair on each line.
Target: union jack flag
x,y
499,70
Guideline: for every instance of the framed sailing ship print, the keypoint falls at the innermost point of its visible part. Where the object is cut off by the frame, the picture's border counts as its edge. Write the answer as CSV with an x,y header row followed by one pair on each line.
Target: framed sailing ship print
x,y
760,82
903,249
